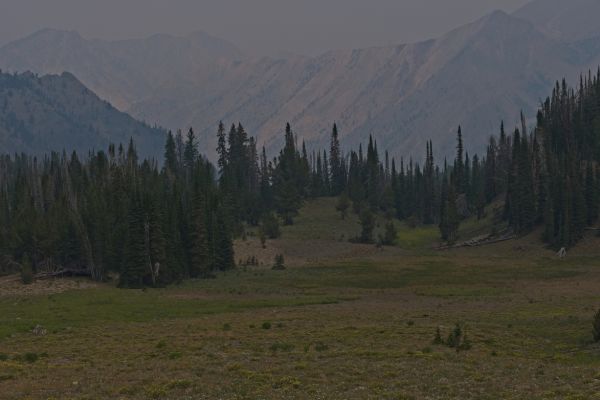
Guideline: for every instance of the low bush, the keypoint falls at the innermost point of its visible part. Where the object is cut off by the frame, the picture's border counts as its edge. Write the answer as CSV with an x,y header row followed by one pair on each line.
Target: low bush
x,y
284,347
457,339
279,263
437,340
320,346
270,226
596,327
26,271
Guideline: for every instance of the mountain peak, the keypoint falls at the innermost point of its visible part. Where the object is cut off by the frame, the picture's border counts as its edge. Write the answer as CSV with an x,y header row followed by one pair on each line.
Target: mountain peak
x,y
216,44
497,15
199,34
501,18
54,34
498,24
569,21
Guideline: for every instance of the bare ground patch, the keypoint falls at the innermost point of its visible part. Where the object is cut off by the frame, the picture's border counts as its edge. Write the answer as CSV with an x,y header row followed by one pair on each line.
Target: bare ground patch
x,y
12,286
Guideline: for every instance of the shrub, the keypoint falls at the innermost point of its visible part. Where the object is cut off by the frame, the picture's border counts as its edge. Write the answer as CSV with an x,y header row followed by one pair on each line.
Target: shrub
x,y
178,384
263,239
26,271
389,239
226,327
270,226
458,339
367,223
320,346
30,357
343,204
412,222
285,347
266,325
156,392
455,337
596,327
279,263
438,337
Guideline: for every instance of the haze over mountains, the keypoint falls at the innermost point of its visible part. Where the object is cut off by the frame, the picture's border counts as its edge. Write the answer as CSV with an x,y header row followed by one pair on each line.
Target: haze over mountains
x,y
476,75
56,112
570,20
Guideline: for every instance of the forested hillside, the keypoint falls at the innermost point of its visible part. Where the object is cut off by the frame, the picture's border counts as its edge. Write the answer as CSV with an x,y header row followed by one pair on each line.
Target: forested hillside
x,y
56,112
112,212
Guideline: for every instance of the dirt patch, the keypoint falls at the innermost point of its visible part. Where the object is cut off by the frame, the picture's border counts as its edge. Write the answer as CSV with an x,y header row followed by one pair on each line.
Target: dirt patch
x,y
11,286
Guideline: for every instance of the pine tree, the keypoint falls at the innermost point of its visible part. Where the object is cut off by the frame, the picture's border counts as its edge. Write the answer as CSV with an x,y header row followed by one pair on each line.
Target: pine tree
x,y
190,152
134,268
591,195
391,234
171,154
155,245
343,204
459,166
288,198
449,219
335,161
224,244
221,151
367,223
199,246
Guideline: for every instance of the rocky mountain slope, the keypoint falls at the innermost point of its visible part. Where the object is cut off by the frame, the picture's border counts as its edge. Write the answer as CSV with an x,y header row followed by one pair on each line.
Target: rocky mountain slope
x,y
121,71
56,112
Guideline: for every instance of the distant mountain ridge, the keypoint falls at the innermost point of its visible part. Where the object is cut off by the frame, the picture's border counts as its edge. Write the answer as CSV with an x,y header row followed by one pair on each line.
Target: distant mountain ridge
x,y
476,75
120,71
57,112
570,21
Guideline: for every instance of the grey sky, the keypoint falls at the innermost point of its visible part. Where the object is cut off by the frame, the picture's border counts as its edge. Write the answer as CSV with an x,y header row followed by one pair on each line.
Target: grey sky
x,y
257,26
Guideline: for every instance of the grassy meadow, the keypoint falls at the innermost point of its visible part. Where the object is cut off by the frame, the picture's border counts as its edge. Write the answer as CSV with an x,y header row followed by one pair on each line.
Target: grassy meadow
x,y
343,321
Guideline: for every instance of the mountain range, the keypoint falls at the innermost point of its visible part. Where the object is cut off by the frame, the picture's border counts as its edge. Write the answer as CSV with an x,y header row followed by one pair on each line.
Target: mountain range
x,y
476,75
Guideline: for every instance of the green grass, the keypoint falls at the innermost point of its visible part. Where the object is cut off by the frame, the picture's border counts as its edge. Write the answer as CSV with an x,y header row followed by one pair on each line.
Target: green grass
x,y
319,220
421,237
109,305
355,328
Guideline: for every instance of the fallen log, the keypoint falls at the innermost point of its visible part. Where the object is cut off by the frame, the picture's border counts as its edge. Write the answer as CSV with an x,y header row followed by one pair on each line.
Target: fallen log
x,y
478,243
62,273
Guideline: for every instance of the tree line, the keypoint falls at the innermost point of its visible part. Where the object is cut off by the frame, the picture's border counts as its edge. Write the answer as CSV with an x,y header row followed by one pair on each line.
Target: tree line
x,y
152,224
112,213
546,177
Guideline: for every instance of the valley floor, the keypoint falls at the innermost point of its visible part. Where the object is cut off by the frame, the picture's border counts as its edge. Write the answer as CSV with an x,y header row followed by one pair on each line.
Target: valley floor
x,y
342,322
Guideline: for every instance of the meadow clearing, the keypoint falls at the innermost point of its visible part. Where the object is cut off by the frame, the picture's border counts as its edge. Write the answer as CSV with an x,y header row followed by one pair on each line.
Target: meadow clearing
x,y
343,321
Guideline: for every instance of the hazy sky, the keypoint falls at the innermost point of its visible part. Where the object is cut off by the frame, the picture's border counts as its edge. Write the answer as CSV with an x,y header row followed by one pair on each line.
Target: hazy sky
x,y
257,26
